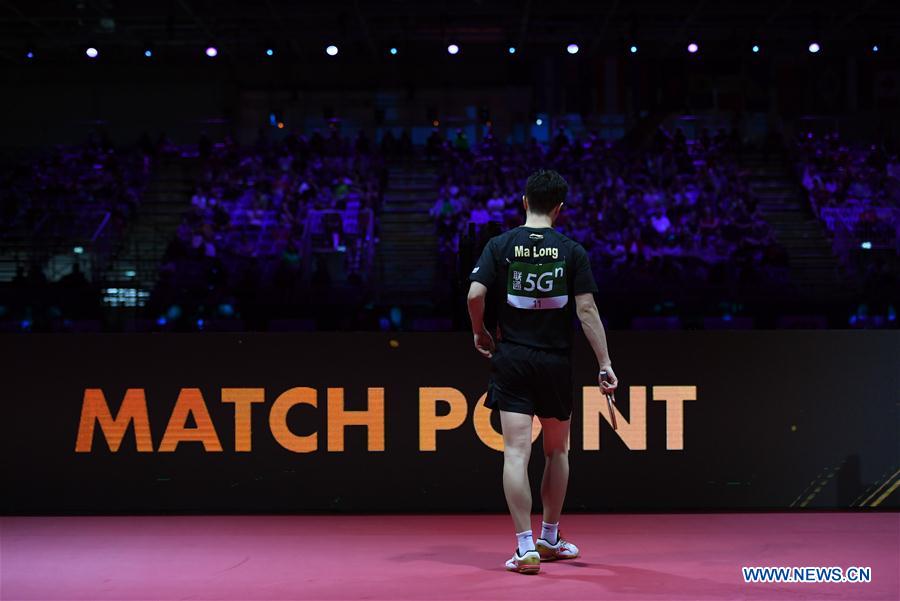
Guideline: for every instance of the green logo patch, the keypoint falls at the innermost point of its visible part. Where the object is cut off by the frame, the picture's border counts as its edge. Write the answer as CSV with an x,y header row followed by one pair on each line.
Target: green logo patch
x,y
537,286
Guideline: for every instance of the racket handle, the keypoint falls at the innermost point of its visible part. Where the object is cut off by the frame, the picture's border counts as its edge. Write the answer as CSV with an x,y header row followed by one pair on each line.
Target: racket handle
x,y
610,400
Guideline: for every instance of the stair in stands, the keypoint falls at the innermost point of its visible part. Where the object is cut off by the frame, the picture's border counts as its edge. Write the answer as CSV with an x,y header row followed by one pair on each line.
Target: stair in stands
x,y
815,270
406,258
162,207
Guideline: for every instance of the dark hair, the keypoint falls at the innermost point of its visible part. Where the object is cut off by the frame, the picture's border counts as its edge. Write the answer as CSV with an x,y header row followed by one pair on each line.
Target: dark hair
x,y
545,189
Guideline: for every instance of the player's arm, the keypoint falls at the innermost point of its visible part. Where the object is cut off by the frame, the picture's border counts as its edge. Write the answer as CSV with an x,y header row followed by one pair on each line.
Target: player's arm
x,y
484,343
589,316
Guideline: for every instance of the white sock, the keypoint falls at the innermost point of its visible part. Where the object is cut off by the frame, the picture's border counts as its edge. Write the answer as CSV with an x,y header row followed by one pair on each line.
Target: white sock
x,y
549,532
525,542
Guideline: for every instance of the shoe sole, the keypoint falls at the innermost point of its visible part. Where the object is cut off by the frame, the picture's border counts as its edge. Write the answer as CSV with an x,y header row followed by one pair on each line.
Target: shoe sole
x,y
551,556
526,568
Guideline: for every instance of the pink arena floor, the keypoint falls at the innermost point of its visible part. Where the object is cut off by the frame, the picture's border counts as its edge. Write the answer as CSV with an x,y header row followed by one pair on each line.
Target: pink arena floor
x,y
624,557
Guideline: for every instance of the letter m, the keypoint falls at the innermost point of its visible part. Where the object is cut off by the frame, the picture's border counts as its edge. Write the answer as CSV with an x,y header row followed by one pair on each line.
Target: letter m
x,y
95,410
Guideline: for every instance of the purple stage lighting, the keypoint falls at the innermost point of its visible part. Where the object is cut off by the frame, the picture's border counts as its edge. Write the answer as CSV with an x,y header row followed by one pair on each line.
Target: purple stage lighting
x,y
814,47
92,52
693,48
212,51
453,49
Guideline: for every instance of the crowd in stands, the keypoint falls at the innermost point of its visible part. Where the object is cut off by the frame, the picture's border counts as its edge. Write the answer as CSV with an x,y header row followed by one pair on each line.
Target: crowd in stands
x,y
69,199
32,301
854,189
676,209
65,193
251,208
254,201
669,214
856,186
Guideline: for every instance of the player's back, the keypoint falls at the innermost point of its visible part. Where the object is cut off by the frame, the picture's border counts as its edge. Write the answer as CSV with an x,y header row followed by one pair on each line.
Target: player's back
x,y
533,275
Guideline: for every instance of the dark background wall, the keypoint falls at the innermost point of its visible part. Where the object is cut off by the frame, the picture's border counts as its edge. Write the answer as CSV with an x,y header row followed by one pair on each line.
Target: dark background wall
x,y
181,93
781,419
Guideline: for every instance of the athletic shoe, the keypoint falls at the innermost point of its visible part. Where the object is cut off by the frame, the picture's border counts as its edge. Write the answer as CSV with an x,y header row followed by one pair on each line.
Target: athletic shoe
x,y
528,563
563,549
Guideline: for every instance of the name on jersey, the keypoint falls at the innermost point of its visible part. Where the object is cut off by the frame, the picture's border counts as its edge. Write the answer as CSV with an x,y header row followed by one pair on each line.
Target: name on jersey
x,y
521,250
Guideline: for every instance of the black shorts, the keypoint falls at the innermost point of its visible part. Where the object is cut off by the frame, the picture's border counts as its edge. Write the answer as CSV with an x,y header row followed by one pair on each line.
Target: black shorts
x,y
530,380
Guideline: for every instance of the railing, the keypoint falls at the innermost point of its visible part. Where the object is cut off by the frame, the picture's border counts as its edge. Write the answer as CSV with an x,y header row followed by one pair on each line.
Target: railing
x,y
55,241
880,230
350,232
101,247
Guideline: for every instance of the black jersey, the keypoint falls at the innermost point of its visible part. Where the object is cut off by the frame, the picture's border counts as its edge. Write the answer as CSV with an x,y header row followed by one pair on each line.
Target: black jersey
x,y
533,275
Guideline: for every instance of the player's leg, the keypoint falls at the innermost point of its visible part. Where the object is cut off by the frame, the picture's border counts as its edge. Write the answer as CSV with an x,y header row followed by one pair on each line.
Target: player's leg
x,y
555,434
516,453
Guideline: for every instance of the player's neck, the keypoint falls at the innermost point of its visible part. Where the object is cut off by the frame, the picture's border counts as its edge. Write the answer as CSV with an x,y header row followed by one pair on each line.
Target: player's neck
x,y
538,221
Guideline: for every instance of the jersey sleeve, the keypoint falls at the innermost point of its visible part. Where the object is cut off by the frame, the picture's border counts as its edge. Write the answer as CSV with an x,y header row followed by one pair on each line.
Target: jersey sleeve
x,y
485,270
583,282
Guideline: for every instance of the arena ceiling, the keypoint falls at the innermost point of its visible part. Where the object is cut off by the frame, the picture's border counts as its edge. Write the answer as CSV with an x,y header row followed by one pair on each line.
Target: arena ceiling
x,y
61,29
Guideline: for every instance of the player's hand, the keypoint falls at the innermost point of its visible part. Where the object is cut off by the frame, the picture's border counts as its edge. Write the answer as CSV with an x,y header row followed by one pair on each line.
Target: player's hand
x,y
612,384
484,343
